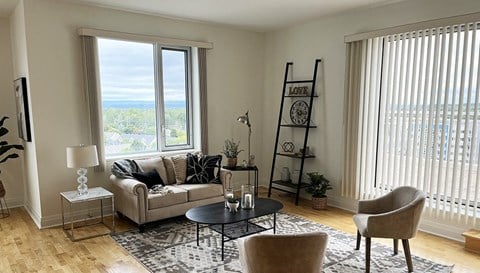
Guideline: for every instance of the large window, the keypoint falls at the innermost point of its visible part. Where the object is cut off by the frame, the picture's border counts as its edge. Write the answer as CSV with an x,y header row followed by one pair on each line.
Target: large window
x,y
146,97
419,117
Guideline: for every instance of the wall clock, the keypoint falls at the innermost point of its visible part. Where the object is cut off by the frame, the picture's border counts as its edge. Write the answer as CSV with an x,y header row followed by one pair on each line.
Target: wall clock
x,y
299,112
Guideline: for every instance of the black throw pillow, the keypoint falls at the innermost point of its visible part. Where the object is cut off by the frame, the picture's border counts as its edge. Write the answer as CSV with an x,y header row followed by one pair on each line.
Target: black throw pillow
x,y
150,178
203,169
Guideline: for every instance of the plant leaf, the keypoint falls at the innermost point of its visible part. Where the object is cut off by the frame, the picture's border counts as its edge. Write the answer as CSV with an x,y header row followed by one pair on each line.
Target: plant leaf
x,y
3,131
10,156
3,120
4,149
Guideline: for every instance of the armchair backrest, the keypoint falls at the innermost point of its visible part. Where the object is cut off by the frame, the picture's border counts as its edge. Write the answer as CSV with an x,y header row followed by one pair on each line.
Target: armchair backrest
x,y
405,195
267,253
410,198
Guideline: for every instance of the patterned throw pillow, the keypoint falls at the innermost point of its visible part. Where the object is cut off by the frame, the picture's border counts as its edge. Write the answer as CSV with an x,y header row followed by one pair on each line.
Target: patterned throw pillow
x,y
203,169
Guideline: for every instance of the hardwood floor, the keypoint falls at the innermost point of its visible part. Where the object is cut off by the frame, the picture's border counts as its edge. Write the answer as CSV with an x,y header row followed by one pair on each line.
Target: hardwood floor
x,y
25,248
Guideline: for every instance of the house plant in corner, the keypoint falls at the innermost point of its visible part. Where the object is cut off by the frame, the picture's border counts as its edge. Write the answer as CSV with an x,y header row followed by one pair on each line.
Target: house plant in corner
x,y
231,151
5,151
318,188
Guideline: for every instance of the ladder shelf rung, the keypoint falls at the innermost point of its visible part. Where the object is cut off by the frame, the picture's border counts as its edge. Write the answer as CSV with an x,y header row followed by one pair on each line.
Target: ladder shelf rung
x,y
300,81
298,126
295,155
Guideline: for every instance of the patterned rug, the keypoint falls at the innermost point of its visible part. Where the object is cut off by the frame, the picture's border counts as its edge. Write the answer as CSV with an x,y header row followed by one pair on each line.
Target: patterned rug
x,y
170,246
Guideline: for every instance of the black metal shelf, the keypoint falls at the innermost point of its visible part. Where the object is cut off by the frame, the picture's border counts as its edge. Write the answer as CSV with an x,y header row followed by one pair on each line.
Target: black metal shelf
x,y
295,155
300,96
307,95
287,186
301,81
298,126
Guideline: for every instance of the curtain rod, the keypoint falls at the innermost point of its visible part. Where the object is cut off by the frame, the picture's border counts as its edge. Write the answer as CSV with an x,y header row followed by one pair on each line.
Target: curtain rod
x,y
461,19
142,38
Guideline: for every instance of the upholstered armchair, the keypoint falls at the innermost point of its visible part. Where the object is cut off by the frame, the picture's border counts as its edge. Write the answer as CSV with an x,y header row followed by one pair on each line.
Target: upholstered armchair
x,y
265,253
395,215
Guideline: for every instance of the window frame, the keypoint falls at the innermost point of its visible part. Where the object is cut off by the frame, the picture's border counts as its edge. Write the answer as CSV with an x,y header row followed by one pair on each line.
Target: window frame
x,y
160,137
159,97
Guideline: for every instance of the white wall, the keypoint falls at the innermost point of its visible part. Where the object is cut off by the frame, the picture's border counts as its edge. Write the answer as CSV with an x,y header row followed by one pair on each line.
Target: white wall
x,y
12,175
31,188
235,82
325,39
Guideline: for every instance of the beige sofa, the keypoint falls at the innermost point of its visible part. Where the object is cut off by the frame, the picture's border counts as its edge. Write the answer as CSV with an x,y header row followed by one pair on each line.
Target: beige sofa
x,y
133,200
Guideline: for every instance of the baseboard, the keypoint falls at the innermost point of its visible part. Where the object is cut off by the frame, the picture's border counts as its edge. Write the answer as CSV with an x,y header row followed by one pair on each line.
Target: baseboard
x,y
34,215
14,202
445,230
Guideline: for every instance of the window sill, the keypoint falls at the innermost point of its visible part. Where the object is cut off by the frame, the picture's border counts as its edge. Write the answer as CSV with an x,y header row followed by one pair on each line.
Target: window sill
x,y
112,159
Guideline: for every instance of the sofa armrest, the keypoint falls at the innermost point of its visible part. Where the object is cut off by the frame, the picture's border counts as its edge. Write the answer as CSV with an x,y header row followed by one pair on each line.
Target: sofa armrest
x,y
226,178
131,198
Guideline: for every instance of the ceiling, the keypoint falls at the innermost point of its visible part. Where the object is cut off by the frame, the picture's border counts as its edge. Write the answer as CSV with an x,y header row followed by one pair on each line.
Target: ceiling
x,y
256,15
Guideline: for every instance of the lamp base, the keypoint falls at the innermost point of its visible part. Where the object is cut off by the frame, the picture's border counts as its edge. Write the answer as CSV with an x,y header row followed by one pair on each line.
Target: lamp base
x,y
82,181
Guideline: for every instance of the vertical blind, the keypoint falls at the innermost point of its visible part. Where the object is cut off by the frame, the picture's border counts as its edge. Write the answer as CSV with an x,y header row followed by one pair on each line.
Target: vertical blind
x,y
418,118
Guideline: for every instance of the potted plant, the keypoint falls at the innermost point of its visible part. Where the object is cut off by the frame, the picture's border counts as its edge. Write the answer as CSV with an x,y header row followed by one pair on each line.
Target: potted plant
x,y
5,151
231,151
232,204
318,188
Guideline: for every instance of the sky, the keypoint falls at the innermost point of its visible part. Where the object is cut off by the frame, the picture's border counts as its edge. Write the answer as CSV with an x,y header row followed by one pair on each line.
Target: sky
x,y
127,71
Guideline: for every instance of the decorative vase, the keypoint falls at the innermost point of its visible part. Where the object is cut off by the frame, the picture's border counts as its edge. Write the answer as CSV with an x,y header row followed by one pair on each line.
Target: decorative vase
x,y
233,206
319,203
248,196
231,162
285,174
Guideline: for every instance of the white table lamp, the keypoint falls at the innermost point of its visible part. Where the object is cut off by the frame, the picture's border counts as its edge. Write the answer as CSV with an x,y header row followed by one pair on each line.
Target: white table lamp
x,y
82,157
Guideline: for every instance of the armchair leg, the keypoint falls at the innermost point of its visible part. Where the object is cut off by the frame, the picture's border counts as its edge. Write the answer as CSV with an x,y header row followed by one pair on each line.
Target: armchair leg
x,y
395,246
368,242
408,256
359,238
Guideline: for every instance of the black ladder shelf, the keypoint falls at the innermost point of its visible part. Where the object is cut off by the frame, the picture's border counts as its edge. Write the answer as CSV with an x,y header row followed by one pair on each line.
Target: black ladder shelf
x,y
288,186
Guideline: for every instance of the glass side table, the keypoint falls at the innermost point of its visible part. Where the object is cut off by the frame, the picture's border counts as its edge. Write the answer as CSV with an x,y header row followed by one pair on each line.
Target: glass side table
x,y
72,197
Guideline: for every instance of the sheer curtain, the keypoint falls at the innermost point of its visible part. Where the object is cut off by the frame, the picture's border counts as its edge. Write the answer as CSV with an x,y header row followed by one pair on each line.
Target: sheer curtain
x,y
418,118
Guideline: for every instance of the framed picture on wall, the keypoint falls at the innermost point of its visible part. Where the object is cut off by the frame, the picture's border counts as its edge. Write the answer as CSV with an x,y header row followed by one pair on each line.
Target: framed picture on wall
x,y
23,113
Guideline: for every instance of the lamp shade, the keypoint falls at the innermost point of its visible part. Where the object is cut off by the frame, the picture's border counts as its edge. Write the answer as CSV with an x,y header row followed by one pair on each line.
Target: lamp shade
x,y
82,156
244,119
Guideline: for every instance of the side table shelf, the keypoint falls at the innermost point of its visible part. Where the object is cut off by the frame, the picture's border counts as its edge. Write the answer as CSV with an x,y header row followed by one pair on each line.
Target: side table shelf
x,y
246,169
94,194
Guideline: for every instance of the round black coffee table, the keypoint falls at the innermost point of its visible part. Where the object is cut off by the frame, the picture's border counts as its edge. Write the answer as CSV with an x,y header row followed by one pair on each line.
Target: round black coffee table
x,y
230,224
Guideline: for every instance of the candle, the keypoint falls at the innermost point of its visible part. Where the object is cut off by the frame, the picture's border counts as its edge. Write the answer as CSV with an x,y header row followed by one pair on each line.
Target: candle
x,y
248,200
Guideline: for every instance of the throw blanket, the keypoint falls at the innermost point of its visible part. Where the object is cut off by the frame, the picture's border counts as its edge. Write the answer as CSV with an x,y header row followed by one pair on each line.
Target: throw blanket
x,y
124,168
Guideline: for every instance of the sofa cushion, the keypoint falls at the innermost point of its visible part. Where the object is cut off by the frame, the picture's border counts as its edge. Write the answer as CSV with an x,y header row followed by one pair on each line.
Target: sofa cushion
x,y
150,178
156,163
203,169
180,167
177,196
167,161
202,191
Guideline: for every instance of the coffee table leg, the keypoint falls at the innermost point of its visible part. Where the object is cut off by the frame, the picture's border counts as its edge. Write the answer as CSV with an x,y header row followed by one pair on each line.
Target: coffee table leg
x,y
274,222
223,239
198,233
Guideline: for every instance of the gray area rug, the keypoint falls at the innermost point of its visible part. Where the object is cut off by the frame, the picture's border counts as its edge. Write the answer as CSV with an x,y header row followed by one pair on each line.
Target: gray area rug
x,y
170,246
